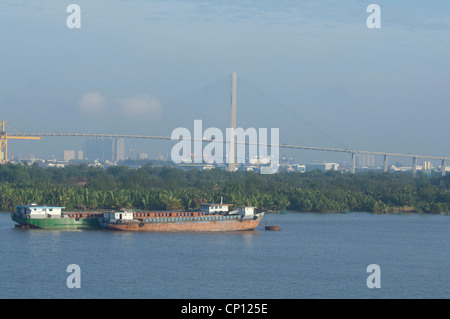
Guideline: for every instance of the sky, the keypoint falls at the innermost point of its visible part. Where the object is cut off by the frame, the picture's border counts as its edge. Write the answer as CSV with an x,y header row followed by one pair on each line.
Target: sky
x,y
382,89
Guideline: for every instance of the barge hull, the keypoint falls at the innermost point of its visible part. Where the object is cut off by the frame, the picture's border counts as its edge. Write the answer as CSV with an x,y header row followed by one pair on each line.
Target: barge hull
x,y
231,225
58,223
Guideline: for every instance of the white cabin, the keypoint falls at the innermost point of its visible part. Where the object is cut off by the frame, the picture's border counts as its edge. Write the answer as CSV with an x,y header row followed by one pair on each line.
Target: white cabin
x,y
121,215
215,208
35,211
246,211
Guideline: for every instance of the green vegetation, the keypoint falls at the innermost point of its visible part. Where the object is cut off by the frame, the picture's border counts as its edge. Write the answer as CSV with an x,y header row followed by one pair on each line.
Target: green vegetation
x,y
83,187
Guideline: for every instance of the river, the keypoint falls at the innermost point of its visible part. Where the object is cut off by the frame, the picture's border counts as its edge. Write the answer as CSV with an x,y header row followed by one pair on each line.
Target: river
x,y
315,255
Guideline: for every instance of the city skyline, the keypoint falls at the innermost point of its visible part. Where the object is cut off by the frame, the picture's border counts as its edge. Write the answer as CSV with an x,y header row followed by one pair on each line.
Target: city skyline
x,y
380,89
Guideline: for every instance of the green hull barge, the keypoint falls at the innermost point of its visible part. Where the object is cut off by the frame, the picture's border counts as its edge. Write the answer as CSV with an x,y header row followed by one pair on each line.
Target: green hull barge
x,y
51,217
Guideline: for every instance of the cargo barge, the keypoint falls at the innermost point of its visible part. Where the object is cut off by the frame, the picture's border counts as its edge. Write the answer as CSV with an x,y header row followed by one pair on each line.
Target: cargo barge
x,y
210,217
52,217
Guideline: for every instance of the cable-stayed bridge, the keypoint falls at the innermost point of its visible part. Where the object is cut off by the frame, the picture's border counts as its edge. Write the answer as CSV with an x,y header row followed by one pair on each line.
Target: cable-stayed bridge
x,y
216,105
312,148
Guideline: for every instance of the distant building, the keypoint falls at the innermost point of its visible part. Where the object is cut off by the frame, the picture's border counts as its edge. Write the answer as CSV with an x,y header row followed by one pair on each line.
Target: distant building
x,y
259,160
120,149
366,160
143,156
69,155
322,166
299,168
426,166
105,149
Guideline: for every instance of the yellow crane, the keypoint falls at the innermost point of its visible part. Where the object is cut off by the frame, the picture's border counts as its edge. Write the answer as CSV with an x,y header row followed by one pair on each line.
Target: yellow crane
x,y
4,142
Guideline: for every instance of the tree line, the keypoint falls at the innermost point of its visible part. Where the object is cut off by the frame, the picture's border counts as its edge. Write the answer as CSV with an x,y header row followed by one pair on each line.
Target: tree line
x,y
161,188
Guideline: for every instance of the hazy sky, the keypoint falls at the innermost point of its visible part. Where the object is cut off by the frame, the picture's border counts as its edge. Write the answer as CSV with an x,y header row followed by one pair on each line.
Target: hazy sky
x,y
383,89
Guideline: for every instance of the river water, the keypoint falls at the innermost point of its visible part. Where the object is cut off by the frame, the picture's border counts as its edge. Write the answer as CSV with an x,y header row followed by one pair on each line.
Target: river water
x,y
315,255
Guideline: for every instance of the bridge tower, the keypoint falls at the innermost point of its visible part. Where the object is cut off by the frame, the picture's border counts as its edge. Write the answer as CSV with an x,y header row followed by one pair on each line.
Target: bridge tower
x,y
232,152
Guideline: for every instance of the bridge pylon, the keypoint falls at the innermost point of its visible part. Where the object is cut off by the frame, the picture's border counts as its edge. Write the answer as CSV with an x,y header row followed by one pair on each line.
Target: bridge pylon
x,y
232,153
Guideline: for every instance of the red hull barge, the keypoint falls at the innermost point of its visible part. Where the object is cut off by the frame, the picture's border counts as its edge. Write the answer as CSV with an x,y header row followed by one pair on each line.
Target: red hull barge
x,y
211,217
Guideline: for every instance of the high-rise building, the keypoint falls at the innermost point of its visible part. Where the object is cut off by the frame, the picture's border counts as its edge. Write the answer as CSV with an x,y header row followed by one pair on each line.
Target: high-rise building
x,y
426,166
120,149
105,149
69,155
366,160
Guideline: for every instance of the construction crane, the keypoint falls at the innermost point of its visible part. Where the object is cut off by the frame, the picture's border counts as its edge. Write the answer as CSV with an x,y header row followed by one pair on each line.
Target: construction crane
x,y
4,142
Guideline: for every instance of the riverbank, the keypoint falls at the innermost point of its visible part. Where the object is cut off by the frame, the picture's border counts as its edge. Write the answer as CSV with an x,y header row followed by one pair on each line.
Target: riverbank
x,y
166,188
